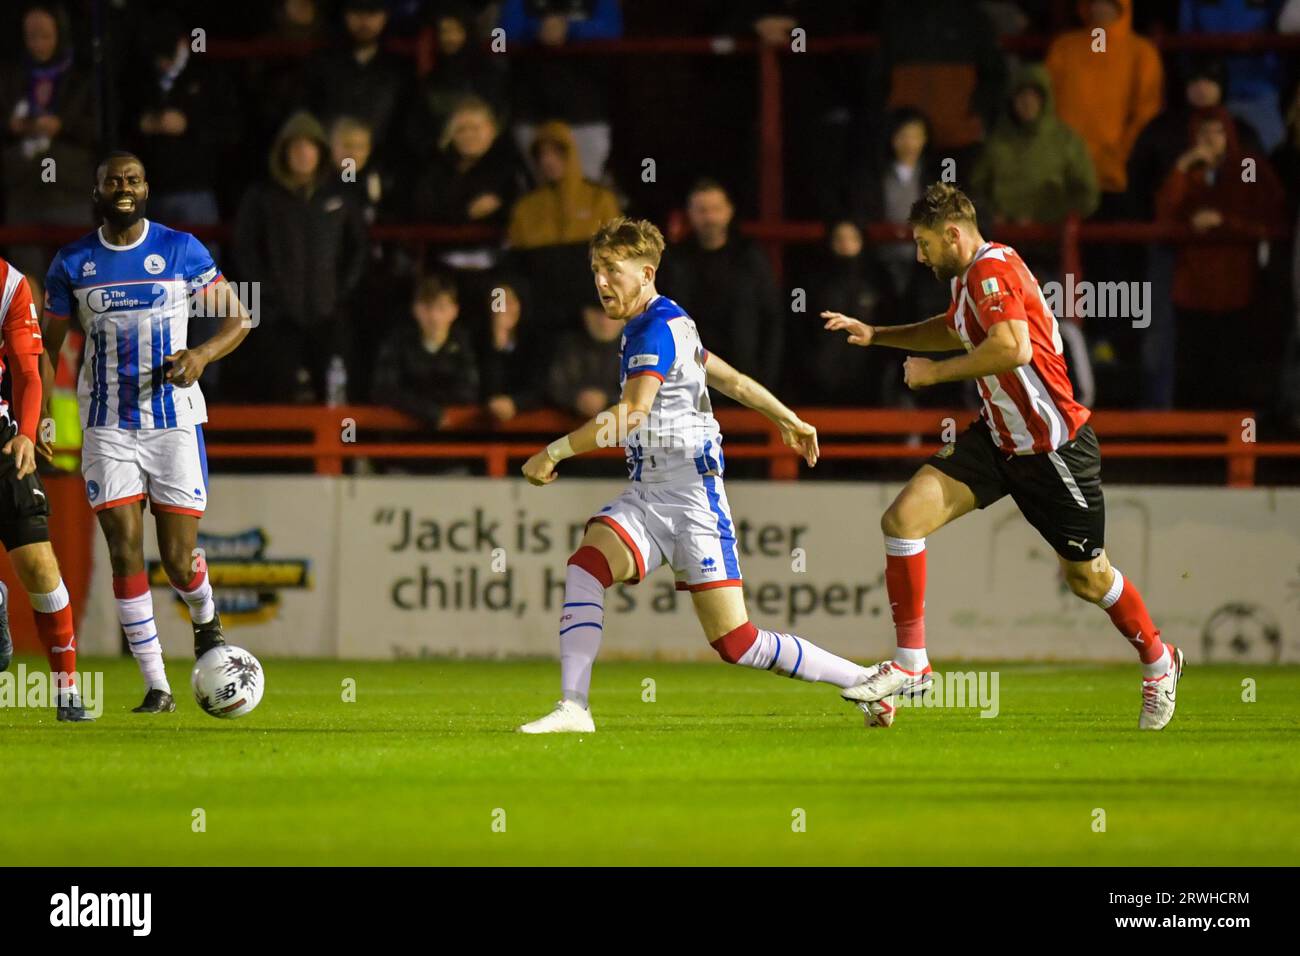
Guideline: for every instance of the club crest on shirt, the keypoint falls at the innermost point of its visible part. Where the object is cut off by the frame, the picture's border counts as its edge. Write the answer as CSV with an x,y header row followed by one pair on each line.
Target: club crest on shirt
x,y
154,264
946,451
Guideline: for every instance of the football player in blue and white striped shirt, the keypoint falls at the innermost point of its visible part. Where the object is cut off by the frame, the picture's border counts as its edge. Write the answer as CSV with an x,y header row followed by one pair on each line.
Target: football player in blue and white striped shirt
x,y
131,285
675,511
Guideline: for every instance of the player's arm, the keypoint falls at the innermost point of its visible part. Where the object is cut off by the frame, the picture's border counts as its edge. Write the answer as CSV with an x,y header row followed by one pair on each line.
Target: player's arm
x,y
795,432
1007,347
23,350
931,335
218,298
624,416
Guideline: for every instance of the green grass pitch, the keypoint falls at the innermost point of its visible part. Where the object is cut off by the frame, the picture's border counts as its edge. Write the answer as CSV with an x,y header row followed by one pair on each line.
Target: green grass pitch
x,y
423,764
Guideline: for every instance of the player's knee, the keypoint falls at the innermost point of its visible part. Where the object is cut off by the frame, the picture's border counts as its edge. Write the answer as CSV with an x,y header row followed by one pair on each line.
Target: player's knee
x,y
595,563
1087,584
37,568
124,557
731,647
894,523
178,563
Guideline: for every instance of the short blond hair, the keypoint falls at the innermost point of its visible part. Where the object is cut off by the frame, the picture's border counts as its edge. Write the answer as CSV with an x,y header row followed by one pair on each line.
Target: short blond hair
x,y
941,203
624,238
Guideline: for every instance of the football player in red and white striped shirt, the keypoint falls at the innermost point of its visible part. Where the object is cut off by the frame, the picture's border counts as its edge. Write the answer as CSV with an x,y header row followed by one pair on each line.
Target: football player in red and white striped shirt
x,y
1031,441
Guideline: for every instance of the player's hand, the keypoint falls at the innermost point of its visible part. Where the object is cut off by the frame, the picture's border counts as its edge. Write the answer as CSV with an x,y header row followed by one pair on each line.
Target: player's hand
x,y
540,470
859,332
24,452
186,367
802,437
920,372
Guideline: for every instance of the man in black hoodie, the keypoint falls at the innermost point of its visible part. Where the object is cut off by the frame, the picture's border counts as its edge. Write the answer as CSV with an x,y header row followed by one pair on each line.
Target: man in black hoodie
x,y
360,79
724,281
303,239
182,120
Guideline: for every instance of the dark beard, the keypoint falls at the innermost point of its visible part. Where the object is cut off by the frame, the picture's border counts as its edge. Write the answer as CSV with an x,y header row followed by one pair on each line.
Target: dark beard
x,y
117,220
946,271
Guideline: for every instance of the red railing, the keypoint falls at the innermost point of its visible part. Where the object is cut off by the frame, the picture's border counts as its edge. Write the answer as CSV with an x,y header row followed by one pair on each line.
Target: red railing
x,y
330,436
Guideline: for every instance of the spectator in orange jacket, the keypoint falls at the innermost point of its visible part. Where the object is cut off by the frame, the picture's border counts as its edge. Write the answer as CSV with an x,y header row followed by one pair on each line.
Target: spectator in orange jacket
x,y
1106,93
565,207
1211,189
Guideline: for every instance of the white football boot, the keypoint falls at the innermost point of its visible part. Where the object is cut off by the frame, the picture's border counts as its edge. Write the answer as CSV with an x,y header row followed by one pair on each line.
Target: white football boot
x,y
875,696
567,718
1159,694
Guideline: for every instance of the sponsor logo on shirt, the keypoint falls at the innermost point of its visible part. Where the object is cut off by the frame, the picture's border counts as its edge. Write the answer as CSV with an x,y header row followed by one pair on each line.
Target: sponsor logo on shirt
x,y
637,361
87,268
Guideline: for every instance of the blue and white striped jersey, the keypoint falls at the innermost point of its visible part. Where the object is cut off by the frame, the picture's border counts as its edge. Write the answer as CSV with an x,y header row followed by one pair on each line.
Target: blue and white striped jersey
x,y
133,303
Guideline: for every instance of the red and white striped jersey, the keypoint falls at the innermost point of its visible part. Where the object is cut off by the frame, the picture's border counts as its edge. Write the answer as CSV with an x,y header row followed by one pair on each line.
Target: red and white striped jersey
x,y
1030,409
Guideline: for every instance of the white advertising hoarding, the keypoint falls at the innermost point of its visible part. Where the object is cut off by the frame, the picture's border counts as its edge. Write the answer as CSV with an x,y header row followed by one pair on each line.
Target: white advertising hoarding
x,y
473,567
394,567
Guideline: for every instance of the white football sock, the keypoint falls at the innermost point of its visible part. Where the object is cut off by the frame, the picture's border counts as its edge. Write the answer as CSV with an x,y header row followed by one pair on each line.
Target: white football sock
x,y
792,656
581,627
912,659
136,617
202,607
1160,666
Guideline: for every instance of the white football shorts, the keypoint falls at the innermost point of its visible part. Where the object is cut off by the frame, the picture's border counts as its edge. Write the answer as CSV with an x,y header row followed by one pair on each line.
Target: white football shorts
x,y
686,525
169,466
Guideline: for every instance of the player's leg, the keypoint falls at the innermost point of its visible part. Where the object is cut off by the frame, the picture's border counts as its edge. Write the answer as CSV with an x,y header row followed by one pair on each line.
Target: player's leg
x,y
115,489
961,477
704,554
176,464
178,539
24,530
615,547
1060,494
725,620
930,500
38,570
123,527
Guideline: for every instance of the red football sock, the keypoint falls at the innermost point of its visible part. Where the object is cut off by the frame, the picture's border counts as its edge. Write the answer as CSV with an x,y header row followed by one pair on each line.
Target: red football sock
x,y
905,582
53,614
1128,612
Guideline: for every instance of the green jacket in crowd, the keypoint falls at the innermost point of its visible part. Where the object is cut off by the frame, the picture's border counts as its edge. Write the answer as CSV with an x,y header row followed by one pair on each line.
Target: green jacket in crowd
x,y
1037,171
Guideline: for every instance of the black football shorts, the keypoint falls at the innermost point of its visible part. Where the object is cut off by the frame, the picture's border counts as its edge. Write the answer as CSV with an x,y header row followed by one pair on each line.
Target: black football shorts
x,y
1058,492
24,509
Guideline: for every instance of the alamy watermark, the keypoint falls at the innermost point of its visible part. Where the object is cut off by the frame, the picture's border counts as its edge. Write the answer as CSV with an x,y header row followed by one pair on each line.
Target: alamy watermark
x,y
41,688
960,689
1099,300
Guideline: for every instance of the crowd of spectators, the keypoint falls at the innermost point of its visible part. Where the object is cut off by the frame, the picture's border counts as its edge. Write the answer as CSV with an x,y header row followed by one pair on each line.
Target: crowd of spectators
x,y
336,116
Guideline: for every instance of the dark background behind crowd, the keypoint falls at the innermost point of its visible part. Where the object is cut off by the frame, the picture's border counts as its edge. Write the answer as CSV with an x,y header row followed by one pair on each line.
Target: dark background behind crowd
x,y
336,116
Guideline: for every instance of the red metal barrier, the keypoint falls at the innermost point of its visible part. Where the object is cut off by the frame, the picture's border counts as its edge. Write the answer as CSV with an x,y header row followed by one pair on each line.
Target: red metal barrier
x,y
329,436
